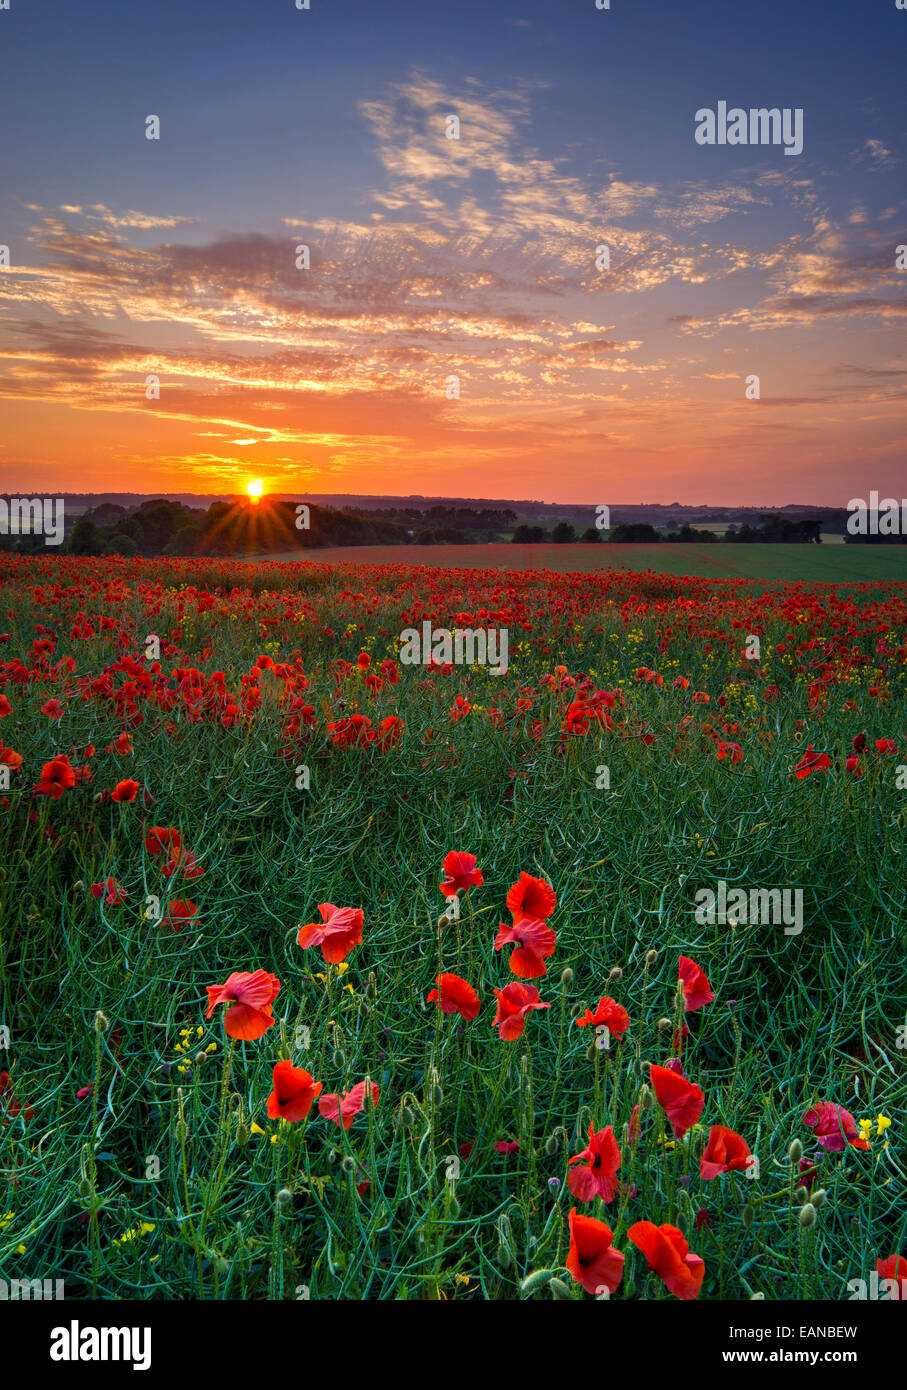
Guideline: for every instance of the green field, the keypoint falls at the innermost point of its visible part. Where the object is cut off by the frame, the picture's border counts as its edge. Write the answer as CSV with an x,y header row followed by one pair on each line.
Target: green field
x,y
824,564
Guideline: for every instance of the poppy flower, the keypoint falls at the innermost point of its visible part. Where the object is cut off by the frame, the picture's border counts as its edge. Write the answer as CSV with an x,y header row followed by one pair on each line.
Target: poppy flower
x,y
459,871
111,891
506,1146
10,1102
725,1152
121,744
608,1014
338,933
514,1002
56,777
893,1267
162,837
834,1127
531,897
343,1109
185,862
696,992
53,709
293,1094
886,746
592,1260
600,1161
390,732
179,913
125,790
455,996
10,758
250,996
534,943
668,1254
681,1100
5,707
811,762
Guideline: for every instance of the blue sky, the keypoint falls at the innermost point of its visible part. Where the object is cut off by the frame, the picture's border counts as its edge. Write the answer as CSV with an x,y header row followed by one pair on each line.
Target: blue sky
x,y
278,125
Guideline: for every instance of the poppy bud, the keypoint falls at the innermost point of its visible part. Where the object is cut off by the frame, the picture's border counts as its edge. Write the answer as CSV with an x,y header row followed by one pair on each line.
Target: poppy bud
x,y
348,1164
819,1197
79,886
807,1217
337,1058
748,1216
84,1189
591,1052
443,921
437,1095
662,1024
200,1057
101,1022
645,1099
795,1151
616,973
284,1198
408,1116
371,986
555,1139
566,977
560,1289
538,1279
802,1194
757,1297
504,1257
242,1134
651,957
578,1009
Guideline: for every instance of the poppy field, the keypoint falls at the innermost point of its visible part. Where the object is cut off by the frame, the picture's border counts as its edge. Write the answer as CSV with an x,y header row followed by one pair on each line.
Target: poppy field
x,y
328,976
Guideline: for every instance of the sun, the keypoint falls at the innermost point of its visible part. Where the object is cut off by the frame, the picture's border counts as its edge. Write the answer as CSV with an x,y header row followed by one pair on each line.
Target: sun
x,y
255,488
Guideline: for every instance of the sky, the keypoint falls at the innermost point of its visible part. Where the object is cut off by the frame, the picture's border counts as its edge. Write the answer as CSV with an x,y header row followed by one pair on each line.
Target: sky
x,y
458,329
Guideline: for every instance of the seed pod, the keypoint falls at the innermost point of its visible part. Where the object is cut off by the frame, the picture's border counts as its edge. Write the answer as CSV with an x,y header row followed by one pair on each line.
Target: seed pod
x,y
538,1279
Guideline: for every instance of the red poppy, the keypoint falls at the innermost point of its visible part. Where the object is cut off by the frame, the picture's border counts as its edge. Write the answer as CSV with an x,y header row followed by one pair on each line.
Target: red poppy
x,y
531,897
459,871
894,1267
600,1161
534,943
111,891
293,1094
5,707
10,758
56,777
160,838
592,1260
886,746
668,1254
10,1102
339,932
126,790
185,862
725,1152
455,996
681,1100
696,992
121,744
390,732
179,913
514,1002
53,709
608,1014
834,1127
343,1109
811,762
250,996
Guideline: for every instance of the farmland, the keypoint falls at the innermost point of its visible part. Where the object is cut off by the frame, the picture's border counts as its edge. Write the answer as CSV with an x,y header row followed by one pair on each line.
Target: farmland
x,y
216,769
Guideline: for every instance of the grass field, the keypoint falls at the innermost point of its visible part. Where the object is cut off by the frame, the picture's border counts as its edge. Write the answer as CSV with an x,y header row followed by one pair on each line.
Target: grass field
x,y
826,564
178,808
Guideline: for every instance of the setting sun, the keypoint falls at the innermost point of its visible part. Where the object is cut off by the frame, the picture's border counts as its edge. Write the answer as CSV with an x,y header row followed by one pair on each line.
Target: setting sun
x,y
255,489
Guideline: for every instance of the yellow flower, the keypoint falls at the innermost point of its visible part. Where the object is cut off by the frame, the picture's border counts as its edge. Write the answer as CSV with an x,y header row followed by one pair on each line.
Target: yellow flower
x,y
865,1128
882,1123
256,1129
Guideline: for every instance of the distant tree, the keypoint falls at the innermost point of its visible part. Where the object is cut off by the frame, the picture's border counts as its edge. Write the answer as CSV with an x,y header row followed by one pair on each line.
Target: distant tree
x,y
84,539
563,533
592,534
528,535
635,533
